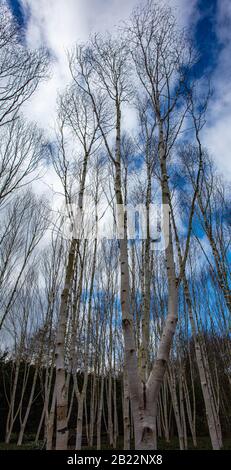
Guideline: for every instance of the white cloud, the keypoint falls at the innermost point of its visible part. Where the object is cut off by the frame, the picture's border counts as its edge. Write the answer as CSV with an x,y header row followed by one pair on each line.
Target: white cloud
x,y
217,135
58,24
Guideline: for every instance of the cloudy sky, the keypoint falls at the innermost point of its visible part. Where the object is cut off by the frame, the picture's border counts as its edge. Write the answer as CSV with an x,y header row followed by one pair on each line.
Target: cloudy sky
x,y
58,24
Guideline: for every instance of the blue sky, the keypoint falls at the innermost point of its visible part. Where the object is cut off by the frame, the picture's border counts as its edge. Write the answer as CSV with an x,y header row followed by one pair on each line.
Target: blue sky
x,y
57,24
16,8
205,35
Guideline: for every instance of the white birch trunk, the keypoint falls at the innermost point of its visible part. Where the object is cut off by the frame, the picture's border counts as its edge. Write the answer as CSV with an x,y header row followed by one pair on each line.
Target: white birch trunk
x,y
126,412
24,422
209,406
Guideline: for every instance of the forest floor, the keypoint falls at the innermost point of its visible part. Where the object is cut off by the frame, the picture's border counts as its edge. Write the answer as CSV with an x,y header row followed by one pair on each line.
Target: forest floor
x,y
203,444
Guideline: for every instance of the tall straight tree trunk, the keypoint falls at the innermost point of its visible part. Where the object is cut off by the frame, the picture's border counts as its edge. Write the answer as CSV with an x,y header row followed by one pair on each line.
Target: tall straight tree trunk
x,y
40,426
148,437
182,411
99,413
79,427
176,407
10,416
61,388
144,396
50,423
165,409
93,405
109,408
191,418
212,420
144,366
115,434
101,383
126,412
81,395
24,422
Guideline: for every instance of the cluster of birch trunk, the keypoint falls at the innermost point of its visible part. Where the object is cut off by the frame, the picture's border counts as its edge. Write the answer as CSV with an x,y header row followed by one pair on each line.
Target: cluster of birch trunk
x,y
104,321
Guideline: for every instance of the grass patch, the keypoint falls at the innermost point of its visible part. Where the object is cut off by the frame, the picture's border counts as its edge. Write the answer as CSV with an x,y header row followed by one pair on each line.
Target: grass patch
x,y
203,443
13,446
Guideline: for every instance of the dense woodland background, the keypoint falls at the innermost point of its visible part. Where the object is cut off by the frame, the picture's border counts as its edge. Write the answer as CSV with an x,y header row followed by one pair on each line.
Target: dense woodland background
x,y
113,343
